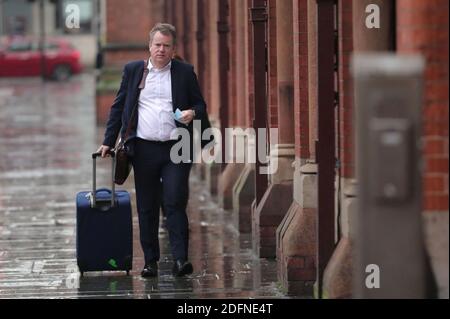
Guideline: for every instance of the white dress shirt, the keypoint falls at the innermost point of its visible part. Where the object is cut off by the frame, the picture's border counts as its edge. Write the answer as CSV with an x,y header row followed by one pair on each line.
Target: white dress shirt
x,y
156,121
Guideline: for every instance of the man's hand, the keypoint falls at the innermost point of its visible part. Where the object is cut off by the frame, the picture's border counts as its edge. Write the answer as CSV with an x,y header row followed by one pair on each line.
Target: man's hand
x,y
104,150
187,117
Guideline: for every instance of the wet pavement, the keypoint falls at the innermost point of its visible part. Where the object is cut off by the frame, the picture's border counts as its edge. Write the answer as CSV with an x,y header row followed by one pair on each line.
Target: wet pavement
x,y
47,133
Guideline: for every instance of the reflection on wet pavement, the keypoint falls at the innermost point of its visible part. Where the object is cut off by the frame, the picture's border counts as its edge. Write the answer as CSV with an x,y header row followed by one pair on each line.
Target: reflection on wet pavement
x,y
47,133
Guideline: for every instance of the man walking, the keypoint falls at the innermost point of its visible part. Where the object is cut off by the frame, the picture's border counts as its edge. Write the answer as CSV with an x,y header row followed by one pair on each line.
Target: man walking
x,y
158,87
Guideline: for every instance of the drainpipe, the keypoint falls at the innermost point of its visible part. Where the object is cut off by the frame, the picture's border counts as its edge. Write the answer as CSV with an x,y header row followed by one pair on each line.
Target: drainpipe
x,y
325,147
258,16
1,18
42,38
223,29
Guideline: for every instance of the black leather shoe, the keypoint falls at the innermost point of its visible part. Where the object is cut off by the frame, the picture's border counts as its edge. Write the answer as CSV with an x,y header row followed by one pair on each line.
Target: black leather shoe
x,y
182,268
150,270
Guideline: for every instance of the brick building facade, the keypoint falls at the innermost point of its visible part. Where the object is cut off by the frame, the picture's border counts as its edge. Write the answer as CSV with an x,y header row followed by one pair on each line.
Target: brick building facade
x,y
289,222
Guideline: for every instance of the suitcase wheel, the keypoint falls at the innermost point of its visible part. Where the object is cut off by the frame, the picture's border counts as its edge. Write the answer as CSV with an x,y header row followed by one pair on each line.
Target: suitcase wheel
x,y
128,272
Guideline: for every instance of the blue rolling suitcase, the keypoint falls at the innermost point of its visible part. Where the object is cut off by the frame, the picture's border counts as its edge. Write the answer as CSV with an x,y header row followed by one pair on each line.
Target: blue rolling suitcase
x,y
104,239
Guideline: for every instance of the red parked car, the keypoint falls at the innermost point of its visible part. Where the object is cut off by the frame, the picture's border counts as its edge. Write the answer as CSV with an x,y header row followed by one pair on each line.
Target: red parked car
x,y
22,57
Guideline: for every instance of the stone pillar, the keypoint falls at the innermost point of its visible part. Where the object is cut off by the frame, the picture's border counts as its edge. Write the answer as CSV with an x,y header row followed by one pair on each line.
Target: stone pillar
x,y
282,155
272,90
374,39
244,188
168,11
232,170
179,19
216,50
240,18
188,23
285,72
243,197
208,56
337,281
191,25
296,236
312,77
226,182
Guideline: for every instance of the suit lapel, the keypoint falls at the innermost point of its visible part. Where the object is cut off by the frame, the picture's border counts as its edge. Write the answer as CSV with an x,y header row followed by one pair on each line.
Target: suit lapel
x,y
136,90
139,79
175,84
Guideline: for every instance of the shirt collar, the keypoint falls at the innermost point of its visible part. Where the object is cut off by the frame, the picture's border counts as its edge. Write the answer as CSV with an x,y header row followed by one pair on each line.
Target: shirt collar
x,y
149,68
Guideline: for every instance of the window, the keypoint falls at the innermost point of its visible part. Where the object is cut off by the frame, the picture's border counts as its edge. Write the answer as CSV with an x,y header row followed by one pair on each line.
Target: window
x,y
51,46
19,47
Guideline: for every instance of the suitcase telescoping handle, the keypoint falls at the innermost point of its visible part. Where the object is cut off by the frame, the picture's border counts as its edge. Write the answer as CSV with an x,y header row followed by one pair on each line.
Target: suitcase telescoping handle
x,y
94,178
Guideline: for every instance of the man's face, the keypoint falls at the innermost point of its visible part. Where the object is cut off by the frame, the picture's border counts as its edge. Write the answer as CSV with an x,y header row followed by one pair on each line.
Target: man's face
x,y
161,49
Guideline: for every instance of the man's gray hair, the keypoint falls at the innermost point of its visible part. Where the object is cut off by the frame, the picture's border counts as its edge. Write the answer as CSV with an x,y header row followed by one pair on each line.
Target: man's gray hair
x,y
166,29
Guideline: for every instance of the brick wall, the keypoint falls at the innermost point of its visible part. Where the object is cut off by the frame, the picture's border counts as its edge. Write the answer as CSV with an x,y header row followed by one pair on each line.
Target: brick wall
x,y
119,58
422,26
119,29
301,99
145,13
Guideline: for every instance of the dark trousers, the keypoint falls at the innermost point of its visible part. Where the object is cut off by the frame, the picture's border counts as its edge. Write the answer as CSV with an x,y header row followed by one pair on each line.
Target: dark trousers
x,y
152,165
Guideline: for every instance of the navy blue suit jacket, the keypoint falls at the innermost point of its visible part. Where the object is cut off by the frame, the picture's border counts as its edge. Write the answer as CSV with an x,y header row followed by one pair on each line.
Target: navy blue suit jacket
x,y
186,94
